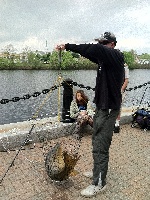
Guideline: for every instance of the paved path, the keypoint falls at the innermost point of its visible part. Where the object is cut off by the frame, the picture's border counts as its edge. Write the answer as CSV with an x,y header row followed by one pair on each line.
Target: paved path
x,y
128,176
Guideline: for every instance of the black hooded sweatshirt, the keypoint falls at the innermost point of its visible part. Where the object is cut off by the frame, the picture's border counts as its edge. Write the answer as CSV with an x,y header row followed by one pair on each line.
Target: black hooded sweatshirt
x,y
110,73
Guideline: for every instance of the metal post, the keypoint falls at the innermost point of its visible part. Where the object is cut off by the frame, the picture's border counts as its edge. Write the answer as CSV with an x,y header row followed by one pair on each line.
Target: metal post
x,y
59,81
67,98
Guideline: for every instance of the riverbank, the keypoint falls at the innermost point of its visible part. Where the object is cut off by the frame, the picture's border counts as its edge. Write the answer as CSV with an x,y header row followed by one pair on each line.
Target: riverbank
x,y
48,67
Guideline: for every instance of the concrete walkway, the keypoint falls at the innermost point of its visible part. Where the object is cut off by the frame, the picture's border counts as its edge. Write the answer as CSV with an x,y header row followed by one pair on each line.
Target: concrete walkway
x,y
128,176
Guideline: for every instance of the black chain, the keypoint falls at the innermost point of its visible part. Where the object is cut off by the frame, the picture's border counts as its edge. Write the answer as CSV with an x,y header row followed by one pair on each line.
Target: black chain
x,y
90,88
28,96
143,96
82,86
139,86
45,91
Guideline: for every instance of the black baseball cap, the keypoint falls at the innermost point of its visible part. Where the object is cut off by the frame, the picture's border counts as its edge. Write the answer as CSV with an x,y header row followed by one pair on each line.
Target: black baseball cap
x,y
107,36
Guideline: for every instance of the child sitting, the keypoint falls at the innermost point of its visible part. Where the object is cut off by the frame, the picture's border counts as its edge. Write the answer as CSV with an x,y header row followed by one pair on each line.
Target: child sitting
x,y
81,111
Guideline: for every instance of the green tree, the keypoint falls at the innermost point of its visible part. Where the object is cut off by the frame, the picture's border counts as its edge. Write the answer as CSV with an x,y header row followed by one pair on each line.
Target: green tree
x,y
4,63
129,58
84,63
54,62
75,55
9,53
67,61
45,58
145,56
33,61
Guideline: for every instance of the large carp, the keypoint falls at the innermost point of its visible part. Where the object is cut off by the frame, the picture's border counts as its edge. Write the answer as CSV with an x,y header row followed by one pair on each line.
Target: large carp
x,y
59,164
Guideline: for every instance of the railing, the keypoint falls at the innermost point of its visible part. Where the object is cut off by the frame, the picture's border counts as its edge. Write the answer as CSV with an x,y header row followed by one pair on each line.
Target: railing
x,y
68,85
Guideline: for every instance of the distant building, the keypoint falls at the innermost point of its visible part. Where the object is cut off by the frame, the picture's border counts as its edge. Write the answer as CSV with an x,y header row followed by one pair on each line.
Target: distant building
x,y
143,61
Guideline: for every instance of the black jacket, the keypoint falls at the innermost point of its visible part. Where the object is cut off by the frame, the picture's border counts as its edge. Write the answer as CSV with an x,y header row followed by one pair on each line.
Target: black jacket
x,y
110,73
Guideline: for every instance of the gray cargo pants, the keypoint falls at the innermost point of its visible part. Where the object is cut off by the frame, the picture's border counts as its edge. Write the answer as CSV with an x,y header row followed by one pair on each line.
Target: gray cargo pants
x,y
103,125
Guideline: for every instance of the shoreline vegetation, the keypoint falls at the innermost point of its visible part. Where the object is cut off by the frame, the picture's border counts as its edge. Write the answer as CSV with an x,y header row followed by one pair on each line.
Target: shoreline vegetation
x,y
65,60
48,67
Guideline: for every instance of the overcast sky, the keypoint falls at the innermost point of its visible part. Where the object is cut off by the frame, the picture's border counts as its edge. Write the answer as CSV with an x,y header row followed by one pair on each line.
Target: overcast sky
x,y
29,23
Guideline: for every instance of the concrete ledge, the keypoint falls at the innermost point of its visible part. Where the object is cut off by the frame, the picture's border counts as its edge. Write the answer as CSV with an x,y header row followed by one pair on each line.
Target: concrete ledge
x,y
14,135
126,114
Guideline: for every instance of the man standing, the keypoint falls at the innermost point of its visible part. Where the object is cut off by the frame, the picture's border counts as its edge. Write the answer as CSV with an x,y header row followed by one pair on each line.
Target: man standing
x,y
110,74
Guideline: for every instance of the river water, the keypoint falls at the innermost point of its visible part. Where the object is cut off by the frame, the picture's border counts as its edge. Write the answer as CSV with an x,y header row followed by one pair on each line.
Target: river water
x,y
20,82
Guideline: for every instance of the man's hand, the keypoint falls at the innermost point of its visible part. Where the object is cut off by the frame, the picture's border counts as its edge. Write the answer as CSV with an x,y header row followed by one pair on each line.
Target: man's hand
x,y
60,47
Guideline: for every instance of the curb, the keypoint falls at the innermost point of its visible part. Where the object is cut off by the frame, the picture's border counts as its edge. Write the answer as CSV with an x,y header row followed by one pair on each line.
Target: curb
x,y
14,135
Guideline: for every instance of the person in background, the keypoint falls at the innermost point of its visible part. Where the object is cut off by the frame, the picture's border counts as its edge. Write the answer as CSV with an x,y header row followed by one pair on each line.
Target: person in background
x,y
108,98
124,86
81,111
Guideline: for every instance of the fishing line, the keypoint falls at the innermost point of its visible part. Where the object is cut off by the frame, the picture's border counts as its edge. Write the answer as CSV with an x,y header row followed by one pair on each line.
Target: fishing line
x,y
12,163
